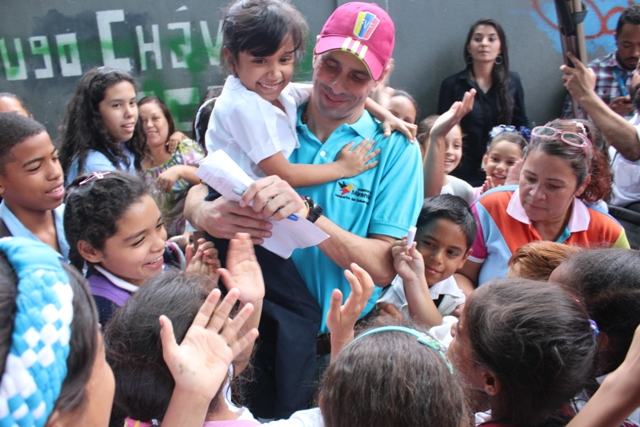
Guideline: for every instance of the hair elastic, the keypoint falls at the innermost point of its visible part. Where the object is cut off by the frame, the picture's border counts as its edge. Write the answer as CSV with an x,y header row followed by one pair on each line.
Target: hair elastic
x,y
94,175
36,364
423,338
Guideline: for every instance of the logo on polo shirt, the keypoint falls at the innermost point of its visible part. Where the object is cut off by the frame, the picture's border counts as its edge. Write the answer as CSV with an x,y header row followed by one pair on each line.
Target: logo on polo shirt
x,y
351,192
366,24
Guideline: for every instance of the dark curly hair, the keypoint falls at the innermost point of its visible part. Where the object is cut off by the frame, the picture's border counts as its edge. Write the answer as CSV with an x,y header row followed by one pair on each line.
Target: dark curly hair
x,y
82,129
94,208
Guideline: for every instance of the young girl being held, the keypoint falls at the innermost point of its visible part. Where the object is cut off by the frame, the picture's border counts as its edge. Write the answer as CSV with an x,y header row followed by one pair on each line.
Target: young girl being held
x,y
504,155
115,228
529,359
255,117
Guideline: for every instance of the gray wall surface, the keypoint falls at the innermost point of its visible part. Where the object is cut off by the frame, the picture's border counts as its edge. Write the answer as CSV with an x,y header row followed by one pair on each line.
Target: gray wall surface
x,y
172,47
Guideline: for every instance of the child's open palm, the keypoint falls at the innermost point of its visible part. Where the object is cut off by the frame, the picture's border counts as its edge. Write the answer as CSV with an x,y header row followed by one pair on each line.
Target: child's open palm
x,y
201,362
243,271
342,318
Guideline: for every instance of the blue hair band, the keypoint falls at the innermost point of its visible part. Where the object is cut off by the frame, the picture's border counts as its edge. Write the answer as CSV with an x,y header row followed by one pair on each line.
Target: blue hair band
x,y
422,338
36,364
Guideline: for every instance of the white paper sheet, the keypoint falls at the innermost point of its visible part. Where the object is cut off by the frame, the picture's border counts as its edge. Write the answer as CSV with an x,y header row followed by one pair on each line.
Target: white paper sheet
x,y
222,174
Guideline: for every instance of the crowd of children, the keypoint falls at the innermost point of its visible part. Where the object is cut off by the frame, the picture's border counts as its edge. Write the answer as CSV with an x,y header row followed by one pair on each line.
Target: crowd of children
x,y
554,342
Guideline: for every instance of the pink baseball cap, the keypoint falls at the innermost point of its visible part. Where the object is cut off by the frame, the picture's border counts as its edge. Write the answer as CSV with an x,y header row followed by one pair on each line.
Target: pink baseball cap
x,y
363,29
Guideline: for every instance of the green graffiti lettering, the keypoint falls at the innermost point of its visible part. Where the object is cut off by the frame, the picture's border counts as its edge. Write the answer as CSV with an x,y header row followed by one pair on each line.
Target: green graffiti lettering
x,y
153,47
19,71
213,50
180,46
104,19
177,100
40,46
69,54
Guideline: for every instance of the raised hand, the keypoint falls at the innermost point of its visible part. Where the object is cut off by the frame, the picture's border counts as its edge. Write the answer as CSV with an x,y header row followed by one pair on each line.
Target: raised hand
x,y
201,362
342,318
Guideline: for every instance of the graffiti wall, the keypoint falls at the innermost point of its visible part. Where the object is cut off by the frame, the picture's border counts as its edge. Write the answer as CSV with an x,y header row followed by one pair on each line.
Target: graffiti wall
x,y
172,47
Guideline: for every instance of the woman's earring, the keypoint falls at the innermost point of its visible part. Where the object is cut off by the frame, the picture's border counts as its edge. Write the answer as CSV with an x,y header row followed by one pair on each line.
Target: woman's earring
x,y
469,59
499,60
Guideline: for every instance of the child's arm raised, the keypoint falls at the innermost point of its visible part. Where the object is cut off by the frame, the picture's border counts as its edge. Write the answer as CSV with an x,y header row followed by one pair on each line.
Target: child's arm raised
x,y
350,162
434,157
244,273
201,362
410,267
342,319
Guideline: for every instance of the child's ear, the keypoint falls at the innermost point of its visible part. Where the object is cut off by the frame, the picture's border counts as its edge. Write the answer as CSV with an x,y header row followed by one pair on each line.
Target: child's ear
x,y
229,59
88,252
492,385
484,161
464,258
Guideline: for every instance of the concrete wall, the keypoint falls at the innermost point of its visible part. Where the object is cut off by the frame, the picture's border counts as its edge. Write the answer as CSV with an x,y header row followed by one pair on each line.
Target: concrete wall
x,y
172,47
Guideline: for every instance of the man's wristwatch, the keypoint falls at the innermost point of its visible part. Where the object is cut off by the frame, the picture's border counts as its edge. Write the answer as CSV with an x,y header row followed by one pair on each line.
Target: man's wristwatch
x,y
315,210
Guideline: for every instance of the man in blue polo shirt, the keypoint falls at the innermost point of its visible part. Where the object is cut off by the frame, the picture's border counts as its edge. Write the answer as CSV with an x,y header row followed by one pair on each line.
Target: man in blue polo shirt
x,y
366,213
363,215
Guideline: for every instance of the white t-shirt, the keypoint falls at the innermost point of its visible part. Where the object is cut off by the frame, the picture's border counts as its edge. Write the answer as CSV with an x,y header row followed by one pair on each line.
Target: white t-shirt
x,y
453,296
626,175
460,188
250,129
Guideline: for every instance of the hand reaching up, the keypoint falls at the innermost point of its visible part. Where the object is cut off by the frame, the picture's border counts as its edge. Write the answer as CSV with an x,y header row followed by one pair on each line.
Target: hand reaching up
x,y
341,319
201,362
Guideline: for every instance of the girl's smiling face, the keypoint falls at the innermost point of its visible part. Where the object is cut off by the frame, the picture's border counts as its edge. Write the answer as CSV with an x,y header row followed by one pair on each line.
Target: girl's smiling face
x,y
134,253
119,111
453,149
502,156
267,76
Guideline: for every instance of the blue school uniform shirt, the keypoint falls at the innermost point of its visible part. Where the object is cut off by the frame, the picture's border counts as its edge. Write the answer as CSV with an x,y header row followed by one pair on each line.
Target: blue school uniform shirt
x,y
98,162
17,229
384,200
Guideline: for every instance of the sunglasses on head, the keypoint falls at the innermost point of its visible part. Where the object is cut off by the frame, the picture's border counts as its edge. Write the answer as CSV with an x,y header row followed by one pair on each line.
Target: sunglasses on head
x,y
571,138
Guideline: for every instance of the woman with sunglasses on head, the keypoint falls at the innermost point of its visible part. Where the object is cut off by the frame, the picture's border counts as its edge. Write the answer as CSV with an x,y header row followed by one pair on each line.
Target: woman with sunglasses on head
x,y
499,98
562,176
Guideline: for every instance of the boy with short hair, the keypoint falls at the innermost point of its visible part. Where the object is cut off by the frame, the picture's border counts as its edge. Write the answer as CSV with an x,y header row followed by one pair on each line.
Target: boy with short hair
x,y
425,288
31,183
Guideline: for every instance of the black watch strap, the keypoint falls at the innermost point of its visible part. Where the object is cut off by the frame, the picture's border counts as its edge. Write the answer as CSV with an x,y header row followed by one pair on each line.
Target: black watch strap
x,y
315,210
